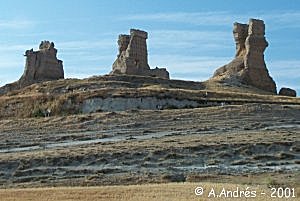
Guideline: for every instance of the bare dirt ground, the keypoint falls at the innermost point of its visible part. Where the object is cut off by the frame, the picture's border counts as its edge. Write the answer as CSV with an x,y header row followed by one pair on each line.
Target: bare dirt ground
x,y
252,143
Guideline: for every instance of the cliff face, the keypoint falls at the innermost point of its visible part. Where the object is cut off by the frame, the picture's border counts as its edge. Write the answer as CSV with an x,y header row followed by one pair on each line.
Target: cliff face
x,y
248,66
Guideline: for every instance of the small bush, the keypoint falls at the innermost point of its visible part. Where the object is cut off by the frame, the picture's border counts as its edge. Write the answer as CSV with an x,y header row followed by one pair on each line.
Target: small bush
x,y
272,182
173,178
170,107
38,113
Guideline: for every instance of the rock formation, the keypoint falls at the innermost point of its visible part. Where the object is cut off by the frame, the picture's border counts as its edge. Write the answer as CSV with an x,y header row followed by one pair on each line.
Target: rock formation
x,y
248,66
41,65
133,56
287,92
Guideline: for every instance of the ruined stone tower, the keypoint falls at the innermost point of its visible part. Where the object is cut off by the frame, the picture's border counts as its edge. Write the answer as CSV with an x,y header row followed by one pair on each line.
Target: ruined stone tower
x,y
133,56
248,66
42,65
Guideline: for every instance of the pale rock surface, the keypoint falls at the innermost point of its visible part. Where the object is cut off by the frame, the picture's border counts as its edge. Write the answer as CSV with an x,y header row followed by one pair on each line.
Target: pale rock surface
x,y
143,103
133,56
248,66
41,65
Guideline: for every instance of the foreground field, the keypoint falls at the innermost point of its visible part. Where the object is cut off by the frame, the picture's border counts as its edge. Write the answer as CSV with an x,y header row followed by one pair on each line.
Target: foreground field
x,y
157,192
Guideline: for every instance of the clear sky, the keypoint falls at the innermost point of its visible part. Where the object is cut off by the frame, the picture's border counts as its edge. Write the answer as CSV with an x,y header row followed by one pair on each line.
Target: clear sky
x,y
189,37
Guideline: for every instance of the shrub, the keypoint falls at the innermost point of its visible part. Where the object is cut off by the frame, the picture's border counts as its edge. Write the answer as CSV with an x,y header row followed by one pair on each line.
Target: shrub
x,y
38,113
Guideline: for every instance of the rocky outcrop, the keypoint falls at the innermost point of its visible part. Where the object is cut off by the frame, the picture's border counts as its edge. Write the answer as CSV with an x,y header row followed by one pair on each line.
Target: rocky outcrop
x,y
133,56
287,92
144,103
41,65
248,66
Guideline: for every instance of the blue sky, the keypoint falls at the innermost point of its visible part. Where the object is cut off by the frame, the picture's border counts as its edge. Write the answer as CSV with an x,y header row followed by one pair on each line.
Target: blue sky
x,y
190,37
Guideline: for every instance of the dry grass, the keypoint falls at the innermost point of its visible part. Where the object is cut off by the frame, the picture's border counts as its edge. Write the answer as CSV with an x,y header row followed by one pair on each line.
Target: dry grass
x,y
59,95
60,104
164,192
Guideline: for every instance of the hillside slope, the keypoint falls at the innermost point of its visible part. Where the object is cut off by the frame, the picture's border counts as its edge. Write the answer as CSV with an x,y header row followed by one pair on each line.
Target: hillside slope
x,y
117,93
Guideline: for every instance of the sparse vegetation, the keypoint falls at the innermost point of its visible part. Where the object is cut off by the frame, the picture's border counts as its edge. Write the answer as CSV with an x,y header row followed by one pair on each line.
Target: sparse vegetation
x,y
38,113
64,96
149,140
142,146
272,183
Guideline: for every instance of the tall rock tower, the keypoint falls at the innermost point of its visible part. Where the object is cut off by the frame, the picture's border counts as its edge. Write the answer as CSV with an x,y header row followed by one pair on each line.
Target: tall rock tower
x,y
42,65
133,56
248,66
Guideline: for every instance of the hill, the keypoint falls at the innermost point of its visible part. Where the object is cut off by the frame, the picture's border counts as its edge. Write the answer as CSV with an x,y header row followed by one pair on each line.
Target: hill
x,y
127,92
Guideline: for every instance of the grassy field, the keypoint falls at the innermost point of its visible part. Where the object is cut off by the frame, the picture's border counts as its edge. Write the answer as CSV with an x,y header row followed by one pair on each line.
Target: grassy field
x,y
164,192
